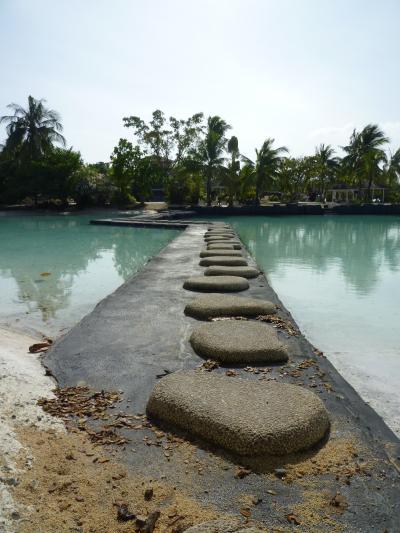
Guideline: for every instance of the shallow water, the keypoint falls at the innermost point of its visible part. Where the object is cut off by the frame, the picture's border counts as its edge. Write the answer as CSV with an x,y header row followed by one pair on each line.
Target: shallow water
x,y
54,269
340,278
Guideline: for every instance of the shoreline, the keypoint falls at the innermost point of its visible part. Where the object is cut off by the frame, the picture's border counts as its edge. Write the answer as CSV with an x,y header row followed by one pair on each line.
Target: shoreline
x,y
101,358
22,382
158,294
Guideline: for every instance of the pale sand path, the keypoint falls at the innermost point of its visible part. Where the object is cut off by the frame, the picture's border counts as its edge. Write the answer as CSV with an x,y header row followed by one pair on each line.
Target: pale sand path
x,y
22,382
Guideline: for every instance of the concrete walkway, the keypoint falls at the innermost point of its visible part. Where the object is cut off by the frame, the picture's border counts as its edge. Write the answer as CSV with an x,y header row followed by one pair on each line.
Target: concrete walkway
x,y
141,330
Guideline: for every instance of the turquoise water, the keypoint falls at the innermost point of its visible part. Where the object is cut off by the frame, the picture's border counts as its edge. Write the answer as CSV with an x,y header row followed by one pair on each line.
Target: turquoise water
x,y
340,278
85,263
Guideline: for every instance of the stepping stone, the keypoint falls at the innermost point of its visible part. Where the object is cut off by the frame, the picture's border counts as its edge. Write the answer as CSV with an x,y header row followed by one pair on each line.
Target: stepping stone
x,y
226,245
244,416
218,251
209,306
229,235
216,284
221,270
215,225
219,238
223,526
239,341
223,260
219,232
230,242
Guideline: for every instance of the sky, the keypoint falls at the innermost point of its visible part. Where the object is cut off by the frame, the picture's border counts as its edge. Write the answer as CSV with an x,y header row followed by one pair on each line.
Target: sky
x,y
304,72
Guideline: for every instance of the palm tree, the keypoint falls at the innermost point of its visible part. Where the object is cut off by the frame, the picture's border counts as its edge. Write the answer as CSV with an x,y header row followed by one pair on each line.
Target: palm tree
x,y
326,165
365,155
231,174
211,151
266,166
32,131
392,169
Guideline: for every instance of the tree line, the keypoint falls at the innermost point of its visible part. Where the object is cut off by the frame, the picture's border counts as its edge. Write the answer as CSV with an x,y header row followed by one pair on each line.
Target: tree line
x,y
191,160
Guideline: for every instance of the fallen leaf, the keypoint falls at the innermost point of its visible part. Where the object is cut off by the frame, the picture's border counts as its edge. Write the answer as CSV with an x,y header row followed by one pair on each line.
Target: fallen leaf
x,y
123,514
293,519
39,347
242,472
246,512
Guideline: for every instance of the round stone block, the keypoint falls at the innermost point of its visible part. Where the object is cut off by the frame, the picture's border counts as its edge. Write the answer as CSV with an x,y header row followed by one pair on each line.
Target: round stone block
x,y
245,416
208,306
218,238
210,253
216,284
239,341
218,232
223,246
219,225
223,235
223,526
243,271
223,260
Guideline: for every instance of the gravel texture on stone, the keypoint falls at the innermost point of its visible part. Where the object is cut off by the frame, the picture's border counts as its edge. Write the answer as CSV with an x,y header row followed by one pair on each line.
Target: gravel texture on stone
x,y
216,244
222,270
246,417
223,260
223,246
216,284
223,526
219,251
206,306
238,341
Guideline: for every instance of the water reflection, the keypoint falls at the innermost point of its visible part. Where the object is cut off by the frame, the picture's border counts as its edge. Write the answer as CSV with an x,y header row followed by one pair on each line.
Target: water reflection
x,y
360,246
75,255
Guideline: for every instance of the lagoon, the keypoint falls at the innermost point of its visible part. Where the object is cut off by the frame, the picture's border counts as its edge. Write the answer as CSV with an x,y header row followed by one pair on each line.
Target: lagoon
x,y
339,276
55,268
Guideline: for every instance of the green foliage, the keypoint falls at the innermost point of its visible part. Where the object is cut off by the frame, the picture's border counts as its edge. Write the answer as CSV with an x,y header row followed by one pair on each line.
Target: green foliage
x,y
124,163
53,174
184,186
188,157
93,185
263,172
209,156
166,142
295,176
32,131
365,156
231,177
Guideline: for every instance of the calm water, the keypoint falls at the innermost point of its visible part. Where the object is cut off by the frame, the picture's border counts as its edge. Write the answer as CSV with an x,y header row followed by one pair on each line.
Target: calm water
x,y
340,278
85,263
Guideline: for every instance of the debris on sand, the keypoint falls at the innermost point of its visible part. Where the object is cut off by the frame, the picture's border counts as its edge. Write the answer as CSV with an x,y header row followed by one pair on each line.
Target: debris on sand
x,y
279,323
40,346
80,402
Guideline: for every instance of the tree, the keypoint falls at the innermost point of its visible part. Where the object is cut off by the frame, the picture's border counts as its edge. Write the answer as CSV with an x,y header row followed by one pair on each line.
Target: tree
x,y
295,175
231,177
92,185
392,169
124,162
54,173
365,156
264,170
326,166
32,131
167,142
209,156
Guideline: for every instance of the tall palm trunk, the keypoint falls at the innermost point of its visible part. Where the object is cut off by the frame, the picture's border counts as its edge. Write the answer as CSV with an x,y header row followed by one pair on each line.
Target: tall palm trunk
x,y
208,186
